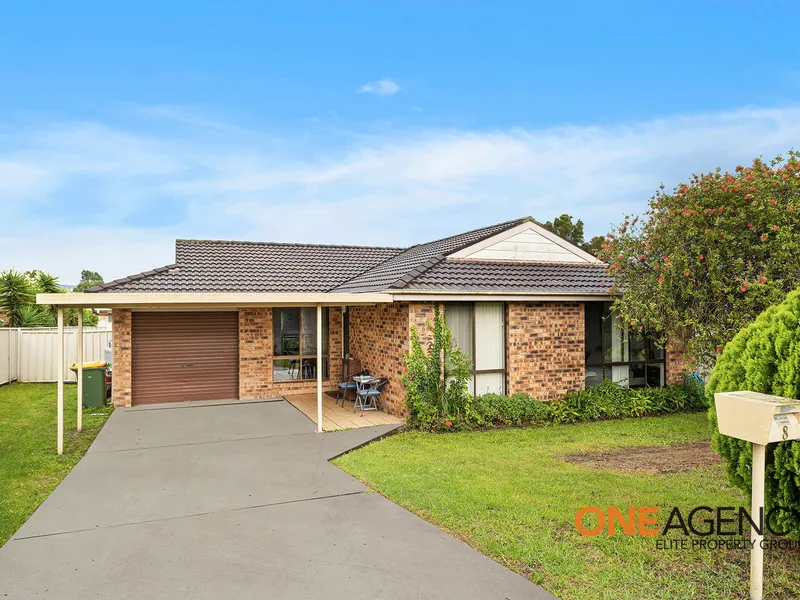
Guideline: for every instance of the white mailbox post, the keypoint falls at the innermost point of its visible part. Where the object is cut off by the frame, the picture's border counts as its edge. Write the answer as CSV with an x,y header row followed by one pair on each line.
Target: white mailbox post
x,y
760,419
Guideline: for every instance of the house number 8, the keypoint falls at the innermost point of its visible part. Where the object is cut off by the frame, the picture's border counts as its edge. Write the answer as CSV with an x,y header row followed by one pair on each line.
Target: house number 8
x,y
786,432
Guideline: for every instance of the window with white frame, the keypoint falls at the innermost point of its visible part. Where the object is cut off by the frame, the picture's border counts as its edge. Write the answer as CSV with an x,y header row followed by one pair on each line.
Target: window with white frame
x,y
479,331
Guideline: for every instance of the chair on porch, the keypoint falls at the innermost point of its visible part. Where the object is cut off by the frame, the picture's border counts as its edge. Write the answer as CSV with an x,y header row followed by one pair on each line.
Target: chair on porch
x,y
368,394
344,387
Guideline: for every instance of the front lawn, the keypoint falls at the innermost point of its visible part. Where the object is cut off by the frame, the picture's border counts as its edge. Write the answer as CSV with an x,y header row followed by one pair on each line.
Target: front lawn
x,y
510,494
29,467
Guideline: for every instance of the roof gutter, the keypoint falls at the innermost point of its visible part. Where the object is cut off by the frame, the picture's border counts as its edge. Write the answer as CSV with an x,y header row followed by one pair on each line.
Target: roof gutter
x,y
207,300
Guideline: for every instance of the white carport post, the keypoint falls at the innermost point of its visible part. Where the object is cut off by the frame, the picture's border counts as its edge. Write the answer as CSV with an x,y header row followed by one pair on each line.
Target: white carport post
x,y
60,374
80,370
319,368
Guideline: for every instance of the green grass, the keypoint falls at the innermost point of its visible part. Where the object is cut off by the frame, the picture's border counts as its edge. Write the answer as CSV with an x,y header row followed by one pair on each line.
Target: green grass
x,y
509,494
29,467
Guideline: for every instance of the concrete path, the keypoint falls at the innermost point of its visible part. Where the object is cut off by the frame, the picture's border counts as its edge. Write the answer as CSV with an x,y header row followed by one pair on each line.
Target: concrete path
x,y
234,501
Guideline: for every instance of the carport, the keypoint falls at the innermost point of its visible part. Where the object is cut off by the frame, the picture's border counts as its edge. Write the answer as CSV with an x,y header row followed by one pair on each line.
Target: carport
x,y
154,304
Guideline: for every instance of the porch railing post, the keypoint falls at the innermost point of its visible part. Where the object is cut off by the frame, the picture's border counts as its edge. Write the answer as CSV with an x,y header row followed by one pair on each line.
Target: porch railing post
x,y
80,370
319,368
60,371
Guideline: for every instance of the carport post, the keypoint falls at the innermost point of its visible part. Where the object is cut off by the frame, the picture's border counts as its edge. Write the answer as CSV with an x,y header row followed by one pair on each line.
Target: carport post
x,y
60,375
319,368
80,370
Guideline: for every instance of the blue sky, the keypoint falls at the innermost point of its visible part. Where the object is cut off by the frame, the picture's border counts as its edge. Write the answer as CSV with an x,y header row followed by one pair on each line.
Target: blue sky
x,y
390,123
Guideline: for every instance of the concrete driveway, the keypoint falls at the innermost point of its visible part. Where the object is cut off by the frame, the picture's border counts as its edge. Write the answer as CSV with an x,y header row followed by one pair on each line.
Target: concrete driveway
x,y
223,501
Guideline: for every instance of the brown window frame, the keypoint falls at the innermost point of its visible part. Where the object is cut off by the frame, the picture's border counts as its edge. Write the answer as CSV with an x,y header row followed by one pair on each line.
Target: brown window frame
x,y
473,371
603,364
301,357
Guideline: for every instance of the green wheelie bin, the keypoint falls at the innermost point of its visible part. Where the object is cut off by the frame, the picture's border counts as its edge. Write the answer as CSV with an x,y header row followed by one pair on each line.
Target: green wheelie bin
x,y
94,383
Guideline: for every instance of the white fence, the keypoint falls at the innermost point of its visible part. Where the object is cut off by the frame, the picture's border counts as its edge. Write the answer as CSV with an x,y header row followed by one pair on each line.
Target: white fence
x,y
9,355
31,354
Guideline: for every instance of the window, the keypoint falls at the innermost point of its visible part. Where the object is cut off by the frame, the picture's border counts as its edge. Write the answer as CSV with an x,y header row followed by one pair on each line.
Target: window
x,y
479,332
613,352
294,338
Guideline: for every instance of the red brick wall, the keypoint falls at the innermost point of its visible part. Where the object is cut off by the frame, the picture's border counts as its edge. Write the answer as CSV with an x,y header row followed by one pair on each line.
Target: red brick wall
x,y
419,315
255,353
335,344
379,338
544,348
678,363
121,356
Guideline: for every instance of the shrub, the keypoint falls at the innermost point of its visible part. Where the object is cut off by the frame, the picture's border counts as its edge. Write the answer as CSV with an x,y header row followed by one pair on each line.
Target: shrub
x,y
436,379
495,409
607,400
763,357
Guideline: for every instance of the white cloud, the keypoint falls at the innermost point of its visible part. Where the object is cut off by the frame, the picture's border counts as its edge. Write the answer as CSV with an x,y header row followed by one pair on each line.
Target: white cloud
x,y
384,87
77,194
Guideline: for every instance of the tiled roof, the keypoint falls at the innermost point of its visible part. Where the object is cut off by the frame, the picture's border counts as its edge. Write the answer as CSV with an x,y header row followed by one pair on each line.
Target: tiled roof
x,y
218,266
532,277
264,267
399,270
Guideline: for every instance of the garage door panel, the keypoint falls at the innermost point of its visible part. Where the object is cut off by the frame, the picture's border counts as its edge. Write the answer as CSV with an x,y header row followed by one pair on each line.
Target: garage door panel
x,y
185,356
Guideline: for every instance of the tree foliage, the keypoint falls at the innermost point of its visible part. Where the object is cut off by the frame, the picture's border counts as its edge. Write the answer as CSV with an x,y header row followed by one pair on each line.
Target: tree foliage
x,y
763,357
88,279
564,227
711,255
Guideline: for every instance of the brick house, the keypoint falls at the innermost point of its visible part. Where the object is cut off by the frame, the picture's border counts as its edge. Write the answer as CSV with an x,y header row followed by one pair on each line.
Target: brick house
x,y
257,320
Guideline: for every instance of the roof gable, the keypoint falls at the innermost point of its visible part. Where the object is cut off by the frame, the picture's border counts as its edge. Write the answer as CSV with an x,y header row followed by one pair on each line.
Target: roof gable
x,y
397,271
527,242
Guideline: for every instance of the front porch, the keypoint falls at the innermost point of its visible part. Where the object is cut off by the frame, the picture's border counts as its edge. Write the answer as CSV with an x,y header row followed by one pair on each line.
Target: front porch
x,y
334,417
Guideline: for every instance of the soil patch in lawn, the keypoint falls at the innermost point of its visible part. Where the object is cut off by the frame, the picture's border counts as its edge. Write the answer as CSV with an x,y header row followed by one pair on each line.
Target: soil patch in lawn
x,y
649,459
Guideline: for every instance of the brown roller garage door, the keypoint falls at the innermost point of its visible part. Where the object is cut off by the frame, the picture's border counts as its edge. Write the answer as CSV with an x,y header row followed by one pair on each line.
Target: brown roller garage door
x,y
179,356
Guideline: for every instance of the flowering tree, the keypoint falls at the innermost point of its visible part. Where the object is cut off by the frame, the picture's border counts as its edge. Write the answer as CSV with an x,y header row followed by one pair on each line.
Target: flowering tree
x,y
710,256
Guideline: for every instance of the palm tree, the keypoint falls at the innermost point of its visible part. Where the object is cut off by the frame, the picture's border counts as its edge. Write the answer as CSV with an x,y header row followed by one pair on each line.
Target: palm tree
x,y
16,291
46,283
32,315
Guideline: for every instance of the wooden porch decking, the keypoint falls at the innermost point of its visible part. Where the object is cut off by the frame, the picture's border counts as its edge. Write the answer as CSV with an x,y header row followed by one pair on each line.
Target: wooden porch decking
x,y
334,417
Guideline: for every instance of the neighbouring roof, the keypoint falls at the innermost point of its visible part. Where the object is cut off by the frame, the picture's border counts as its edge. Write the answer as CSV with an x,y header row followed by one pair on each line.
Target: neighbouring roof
x,y
256,267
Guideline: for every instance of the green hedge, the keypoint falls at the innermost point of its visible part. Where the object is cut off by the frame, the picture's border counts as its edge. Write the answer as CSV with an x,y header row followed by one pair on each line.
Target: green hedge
x,y
605,401
763,357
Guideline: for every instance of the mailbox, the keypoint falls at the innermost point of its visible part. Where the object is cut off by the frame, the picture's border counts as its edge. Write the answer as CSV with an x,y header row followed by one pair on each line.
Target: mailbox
x,y
758,418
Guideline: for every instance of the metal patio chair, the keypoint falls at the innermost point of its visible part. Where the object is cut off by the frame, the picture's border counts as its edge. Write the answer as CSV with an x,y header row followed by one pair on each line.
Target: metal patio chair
x,y
344,387
368,395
